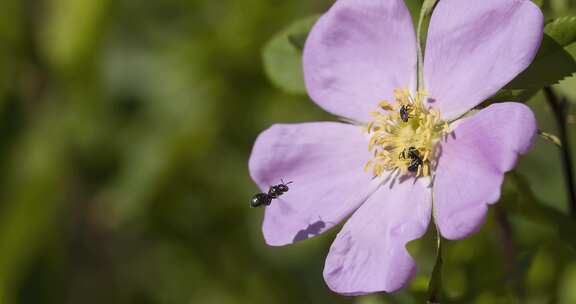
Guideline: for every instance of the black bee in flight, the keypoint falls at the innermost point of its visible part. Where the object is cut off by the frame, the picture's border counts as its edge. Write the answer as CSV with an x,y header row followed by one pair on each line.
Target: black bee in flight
x,y
260,199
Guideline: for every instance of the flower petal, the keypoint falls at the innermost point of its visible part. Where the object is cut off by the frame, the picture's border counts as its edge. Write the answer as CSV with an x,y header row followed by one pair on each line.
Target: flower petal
x,y
475,48
369,254
473,162
326,162
357,54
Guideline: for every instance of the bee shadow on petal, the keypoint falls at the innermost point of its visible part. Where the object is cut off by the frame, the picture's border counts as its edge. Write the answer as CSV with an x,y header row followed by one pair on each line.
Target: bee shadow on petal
x,y
310,231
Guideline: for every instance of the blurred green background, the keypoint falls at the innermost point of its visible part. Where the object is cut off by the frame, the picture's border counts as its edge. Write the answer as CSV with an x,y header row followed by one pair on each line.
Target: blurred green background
x,y
125,130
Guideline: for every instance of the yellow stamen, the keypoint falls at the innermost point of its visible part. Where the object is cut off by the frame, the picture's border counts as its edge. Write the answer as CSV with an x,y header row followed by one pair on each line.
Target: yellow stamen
x,y
404,135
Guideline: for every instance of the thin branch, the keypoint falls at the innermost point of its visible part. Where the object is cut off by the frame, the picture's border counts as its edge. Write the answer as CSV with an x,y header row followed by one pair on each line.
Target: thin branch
x,y
559,108
509,249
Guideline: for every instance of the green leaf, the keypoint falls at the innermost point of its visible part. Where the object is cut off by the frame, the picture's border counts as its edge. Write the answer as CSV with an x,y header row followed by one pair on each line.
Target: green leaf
x,y
562,30
511,94
282,56
550,66
553,61
540,3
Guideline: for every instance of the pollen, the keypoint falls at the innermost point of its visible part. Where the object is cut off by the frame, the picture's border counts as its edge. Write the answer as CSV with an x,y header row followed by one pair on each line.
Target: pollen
x,y
404,135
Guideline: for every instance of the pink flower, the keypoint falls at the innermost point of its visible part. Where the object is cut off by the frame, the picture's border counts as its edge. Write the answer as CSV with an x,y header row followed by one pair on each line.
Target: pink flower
x,y
412,154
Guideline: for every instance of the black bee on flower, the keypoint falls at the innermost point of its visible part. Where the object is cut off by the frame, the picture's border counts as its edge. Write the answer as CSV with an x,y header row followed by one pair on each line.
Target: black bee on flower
x,y
415,159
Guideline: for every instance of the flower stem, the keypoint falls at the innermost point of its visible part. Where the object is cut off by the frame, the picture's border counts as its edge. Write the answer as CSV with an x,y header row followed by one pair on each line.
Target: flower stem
x,y
559,108
435,284
421,33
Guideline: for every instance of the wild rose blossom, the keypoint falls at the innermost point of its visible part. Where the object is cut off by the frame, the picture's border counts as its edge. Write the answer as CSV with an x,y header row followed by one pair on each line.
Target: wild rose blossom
x,y
410,154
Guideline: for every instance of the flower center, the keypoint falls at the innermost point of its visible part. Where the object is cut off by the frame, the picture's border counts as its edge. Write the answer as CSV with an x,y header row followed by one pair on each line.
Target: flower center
x,y
404,135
